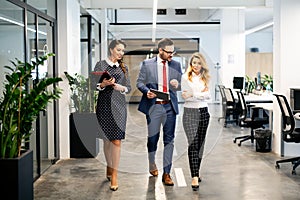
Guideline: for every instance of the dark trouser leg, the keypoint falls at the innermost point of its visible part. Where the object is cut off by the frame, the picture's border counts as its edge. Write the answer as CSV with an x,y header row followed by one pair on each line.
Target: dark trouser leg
x,y
168,137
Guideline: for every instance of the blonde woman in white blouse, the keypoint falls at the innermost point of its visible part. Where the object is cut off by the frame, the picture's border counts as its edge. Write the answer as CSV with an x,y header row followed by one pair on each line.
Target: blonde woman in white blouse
x,y
196,116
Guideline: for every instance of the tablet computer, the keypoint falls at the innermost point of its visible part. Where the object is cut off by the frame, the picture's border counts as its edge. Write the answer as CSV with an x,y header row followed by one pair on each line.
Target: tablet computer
x,y
161,95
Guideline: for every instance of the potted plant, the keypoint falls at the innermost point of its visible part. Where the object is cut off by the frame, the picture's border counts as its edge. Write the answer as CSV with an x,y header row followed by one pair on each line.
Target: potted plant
x,y
267,82
250,85
82,99
19,107
83,122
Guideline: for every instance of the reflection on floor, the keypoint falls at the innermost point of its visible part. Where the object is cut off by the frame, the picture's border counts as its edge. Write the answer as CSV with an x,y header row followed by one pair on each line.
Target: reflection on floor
x,y
228,171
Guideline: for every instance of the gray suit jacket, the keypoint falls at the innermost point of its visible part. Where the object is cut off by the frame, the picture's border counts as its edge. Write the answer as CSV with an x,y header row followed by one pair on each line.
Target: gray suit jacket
x,y
148,78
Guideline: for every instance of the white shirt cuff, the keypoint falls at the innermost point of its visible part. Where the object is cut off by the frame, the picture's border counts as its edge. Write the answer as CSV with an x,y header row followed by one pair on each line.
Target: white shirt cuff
x,y
99,88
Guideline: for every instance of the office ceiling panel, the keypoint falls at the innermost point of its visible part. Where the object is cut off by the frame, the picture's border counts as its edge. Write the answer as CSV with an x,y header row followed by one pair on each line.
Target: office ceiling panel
x,y
174,3
257,12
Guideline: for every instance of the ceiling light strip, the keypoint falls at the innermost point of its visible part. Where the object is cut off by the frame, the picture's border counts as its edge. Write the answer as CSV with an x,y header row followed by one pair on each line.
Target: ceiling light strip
x,y
258,28
20,24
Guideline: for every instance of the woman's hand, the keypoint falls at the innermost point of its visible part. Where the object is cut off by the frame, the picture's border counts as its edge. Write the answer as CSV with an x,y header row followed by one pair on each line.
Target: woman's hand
x,y
107,82
186,94
119,87
205,89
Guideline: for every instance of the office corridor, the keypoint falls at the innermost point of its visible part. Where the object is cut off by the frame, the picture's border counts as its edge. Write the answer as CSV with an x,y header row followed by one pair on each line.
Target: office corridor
x,y
228,171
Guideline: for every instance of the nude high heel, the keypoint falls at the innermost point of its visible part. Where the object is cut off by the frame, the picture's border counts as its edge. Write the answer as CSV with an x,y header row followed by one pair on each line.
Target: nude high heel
x,y
114,187
195,183
114,182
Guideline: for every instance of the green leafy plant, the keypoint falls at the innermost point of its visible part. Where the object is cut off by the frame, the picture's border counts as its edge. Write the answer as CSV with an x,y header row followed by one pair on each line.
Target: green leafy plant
x,y
82,96
250,84
267,82
20,106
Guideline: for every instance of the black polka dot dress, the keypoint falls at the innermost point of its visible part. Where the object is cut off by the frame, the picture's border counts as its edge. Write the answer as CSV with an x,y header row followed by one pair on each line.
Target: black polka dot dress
x,y
111,108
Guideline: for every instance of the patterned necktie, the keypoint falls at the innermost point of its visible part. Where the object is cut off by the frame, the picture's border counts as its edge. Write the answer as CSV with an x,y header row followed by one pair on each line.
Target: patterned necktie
x,y
164,77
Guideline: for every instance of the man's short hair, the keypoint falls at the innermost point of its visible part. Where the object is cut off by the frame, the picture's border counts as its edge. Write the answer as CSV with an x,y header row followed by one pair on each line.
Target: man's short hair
x,y
165,42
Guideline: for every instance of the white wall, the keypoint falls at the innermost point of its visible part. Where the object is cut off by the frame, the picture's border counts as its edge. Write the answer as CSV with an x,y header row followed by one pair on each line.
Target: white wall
x,y
232,49
261,40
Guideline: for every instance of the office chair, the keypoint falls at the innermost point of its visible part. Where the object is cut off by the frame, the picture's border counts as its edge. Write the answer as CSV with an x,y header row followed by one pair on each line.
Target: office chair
x,y
230,107
245,120
223,101
289,131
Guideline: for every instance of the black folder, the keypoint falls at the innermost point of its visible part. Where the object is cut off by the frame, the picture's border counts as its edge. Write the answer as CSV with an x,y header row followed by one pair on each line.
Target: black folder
x,y
161,95
100,75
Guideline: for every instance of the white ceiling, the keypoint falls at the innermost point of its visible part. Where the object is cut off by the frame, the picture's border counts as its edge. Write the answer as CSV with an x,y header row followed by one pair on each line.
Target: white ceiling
x,y
257,12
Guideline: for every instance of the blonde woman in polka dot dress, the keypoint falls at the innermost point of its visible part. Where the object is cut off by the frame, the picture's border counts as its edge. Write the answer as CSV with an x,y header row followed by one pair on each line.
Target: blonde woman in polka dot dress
x,y
111,107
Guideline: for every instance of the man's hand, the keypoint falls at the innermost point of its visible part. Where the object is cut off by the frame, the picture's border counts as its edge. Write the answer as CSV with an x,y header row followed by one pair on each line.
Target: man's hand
x,y
150,95
174,83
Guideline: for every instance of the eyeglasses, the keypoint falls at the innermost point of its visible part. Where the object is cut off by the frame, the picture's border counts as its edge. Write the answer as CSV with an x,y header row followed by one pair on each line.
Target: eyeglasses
x,y
169,52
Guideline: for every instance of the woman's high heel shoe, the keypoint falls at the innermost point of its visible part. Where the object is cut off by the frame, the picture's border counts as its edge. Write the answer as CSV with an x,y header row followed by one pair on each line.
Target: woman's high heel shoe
x,y
114,182
195,183
114,187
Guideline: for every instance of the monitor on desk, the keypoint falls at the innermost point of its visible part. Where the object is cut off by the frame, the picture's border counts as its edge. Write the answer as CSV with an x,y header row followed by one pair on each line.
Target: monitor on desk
x,y
295,99
238,83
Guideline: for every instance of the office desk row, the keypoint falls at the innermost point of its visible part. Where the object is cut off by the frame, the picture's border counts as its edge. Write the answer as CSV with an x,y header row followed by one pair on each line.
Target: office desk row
x,y
254,98
264,98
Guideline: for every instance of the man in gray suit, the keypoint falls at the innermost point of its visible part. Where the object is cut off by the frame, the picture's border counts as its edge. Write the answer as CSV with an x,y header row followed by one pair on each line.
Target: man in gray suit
x,y
163,74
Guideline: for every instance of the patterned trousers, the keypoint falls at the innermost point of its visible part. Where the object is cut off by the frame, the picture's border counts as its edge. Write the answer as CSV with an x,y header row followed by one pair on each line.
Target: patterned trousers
x,y
195,123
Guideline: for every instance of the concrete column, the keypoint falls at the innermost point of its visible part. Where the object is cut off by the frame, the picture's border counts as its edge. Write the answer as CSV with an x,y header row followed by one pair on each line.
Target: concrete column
x,y
68,14
286,67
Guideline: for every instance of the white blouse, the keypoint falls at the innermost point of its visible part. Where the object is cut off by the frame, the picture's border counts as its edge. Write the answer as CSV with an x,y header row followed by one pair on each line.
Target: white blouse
x,y
199,99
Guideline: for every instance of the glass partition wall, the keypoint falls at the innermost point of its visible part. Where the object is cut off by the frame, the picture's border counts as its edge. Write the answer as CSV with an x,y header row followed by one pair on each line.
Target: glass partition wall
x,y
90,32
27,33
90,43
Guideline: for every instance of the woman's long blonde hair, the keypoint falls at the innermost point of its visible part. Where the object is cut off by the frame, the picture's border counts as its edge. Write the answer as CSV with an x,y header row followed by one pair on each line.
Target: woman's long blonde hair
x,y
204,68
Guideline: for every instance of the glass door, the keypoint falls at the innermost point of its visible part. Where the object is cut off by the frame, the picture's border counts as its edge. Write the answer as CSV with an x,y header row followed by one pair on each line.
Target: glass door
x,y
40,43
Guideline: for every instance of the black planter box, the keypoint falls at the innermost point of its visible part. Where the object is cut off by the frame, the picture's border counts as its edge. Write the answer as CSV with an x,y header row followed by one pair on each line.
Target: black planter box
x,y
83,134
17,177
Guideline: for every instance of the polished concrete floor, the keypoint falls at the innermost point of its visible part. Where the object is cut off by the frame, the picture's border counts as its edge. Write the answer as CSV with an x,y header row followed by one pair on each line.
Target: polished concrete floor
x,y
228,172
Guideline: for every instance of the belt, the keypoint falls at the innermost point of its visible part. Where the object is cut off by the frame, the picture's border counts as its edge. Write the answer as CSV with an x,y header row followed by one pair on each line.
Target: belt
x,y
162,102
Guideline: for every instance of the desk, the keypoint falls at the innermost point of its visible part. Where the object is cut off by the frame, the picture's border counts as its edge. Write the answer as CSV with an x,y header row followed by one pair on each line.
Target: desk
x,y
264,98
254,98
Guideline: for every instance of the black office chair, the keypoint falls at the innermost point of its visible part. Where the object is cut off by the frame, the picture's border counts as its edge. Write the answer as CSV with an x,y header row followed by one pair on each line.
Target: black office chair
x,y
253,122
223,101
289,131
231,112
